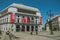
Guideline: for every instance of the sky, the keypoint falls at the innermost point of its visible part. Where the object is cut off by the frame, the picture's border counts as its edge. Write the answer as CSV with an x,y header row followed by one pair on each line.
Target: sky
x,y
43,5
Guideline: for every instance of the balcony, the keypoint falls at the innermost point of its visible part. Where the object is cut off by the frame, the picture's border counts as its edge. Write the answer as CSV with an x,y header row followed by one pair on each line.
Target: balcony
x,y
33,19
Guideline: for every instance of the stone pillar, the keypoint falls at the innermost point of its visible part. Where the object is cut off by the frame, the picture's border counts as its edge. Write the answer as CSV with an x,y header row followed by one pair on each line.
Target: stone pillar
x,y
38,28
30,28
25,28
34,20
20,27
14,28
34,28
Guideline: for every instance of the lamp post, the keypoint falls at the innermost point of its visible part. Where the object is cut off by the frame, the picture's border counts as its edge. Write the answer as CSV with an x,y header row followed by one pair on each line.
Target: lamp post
x,y
50,22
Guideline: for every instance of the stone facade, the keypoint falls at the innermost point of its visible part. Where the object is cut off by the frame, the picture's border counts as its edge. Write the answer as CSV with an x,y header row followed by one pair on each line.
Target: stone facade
x,y
19,17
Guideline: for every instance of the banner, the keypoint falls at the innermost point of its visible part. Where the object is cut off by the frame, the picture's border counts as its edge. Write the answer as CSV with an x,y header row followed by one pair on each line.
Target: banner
x,y
12,20
24,19
40,20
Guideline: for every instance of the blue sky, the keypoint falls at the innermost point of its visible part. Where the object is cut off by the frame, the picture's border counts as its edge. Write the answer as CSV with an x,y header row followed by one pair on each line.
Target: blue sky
x,y
42,5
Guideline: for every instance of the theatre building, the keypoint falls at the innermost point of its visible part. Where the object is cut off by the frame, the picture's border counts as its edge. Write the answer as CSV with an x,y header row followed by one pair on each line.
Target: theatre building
x,y
19,17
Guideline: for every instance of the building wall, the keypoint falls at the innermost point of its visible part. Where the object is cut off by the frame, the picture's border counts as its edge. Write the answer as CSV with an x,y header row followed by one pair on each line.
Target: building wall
x,y
59,22
6,20
8,27
55,24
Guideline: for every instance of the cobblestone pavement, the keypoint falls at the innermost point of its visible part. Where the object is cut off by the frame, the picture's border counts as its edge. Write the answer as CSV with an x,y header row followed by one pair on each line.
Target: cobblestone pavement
x,y
41,36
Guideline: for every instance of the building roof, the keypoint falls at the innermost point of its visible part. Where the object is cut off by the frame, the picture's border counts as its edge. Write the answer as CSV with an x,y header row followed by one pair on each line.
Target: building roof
x,y
53,17
22,7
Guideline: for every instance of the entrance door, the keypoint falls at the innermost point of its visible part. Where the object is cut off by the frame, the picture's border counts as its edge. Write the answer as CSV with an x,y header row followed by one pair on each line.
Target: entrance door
x,y
27,28
32,28
17,28
23,28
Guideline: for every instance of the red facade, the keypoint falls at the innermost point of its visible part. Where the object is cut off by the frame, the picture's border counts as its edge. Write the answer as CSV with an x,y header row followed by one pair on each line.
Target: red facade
x,y
28,19
40,20
12,20
24,19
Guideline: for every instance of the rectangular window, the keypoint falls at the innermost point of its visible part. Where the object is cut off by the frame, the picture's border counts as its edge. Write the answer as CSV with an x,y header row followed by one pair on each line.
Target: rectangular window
x,y
26,11
18,19
7,19
32,19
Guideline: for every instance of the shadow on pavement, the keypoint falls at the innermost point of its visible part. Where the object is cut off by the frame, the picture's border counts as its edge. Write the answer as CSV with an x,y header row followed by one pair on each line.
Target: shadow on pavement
x,y
52,37
57,36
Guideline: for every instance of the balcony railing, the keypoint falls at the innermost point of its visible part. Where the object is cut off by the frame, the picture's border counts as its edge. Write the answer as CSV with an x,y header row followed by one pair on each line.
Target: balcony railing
x,y
19,20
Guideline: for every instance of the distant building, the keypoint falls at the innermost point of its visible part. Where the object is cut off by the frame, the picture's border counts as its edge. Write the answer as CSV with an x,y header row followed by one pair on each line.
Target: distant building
x,y
18,17
55,23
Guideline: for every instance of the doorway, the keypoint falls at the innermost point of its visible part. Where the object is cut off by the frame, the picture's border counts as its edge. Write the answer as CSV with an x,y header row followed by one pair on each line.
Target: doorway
x,y
28,28
17,28
23,28
32,28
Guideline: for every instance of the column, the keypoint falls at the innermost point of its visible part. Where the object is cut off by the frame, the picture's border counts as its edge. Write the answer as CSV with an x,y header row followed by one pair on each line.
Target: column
x,y
30,28
34,20
20,27
30,19
34,28
39,28
20,19
25,28
14,27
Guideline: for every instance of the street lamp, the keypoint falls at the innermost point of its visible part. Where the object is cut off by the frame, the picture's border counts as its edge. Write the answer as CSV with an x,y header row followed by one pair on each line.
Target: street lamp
x,y
50,21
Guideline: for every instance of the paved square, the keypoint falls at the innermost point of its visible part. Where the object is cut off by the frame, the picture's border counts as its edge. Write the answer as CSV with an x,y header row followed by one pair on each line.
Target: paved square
x,y
40,36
